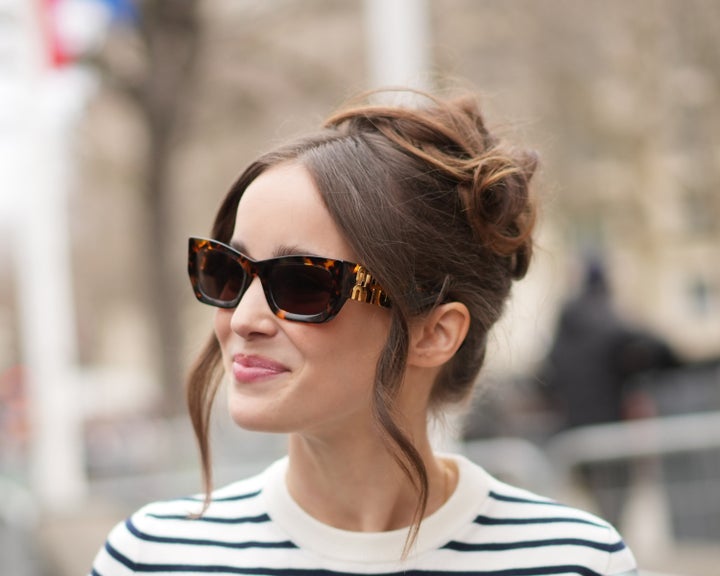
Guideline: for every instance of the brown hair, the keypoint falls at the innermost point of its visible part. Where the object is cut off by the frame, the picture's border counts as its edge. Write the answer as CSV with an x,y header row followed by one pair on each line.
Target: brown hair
x,y
438,209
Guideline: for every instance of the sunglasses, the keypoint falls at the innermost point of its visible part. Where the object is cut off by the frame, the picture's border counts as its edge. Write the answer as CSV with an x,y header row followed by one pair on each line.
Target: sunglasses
x,y
299,288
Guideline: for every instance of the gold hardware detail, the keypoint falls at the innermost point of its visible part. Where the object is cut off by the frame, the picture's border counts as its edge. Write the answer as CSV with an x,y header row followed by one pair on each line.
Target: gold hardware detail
x,y
366,289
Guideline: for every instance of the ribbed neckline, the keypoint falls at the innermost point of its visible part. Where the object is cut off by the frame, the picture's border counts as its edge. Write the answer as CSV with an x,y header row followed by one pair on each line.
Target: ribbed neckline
x,y
376,547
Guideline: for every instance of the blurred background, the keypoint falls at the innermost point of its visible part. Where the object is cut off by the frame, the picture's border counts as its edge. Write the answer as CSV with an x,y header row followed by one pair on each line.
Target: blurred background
x,y
124,122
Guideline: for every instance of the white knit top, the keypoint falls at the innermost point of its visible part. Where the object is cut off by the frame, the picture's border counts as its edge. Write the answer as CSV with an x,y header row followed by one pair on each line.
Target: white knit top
x,y
486,528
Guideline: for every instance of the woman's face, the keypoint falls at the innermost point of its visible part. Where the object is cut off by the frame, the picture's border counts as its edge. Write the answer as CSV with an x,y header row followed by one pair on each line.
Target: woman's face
x,y
287,376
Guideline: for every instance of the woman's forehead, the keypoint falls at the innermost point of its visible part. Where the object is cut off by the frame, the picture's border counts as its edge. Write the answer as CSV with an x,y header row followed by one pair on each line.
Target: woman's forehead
x,y
283,210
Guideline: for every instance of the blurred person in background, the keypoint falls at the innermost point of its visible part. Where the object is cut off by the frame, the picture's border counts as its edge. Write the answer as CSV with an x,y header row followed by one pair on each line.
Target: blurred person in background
x,y
356,273
590,373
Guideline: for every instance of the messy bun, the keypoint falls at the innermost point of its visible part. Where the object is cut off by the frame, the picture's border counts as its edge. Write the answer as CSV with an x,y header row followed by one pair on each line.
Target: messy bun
x,y
490,178
437,208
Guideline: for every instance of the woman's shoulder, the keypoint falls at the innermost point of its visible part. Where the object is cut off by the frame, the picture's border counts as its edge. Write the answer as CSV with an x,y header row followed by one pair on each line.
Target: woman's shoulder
x,y
226,502
172,530
513,519
513,502
516,504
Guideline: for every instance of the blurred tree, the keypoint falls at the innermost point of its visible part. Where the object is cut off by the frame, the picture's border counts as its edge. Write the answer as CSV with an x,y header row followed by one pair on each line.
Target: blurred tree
x,y
158,83
170,29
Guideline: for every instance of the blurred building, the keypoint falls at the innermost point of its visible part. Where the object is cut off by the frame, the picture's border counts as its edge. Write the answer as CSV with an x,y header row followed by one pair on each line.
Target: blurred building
x,y
620,100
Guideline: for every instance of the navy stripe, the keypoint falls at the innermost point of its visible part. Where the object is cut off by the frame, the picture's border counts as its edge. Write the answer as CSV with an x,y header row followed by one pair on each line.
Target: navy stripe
x,y
125,561
504,498
501,546
201,542
533,571
490,521
226,498
214,519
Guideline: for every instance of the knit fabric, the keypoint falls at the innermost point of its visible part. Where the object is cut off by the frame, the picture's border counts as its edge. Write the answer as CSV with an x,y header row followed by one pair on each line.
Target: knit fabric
x,y
254,526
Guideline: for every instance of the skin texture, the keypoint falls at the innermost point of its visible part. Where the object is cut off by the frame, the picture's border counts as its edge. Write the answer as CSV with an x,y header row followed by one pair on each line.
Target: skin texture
x,y
314,381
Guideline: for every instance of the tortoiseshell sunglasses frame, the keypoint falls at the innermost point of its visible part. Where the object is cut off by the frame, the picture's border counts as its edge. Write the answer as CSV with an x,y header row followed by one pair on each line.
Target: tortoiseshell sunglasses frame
x,y
350,281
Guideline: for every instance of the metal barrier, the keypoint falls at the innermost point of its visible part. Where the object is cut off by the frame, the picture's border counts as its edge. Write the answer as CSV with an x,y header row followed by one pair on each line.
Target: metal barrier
x,y
636,439
686,449
682,454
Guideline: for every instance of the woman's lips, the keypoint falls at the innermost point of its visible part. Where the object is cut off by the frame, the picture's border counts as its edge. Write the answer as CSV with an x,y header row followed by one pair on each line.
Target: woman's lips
x,y
250,368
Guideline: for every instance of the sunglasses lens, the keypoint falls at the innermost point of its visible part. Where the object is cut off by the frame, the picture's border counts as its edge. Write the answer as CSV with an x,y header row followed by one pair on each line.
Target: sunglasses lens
x,y
220,277
301,289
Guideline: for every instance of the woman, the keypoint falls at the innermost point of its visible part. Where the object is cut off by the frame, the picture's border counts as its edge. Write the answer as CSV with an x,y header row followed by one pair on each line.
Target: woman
x,y
356,274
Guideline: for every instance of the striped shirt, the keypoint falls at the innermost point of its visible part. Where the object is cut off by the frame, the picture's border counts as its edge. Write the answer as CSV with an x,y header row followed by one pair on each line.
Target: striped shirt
x,y
254,527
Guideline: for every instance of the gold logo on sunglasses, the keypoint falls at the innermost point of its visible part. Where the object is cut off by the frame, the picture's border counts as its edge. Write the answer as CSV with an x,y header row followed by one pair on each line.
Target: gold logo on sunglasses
x,y
367,289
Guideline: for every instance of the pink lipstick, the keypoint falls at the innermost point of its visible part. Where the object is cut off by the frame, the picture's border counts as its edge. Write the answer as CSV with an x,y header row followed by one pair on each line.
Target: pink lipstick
x,y
250,368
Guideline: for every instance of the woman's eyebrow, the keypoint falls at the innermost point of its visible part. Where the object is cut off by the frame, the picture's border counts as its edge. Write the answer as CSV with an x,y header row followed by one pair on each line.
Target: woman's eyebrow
x,y
237,245
292,250
278,252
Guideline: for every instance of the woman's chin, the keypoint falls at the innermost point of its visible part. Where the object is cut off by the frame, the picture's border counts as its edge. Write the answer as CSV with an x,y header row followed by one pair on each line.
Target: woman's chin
x,y
255,419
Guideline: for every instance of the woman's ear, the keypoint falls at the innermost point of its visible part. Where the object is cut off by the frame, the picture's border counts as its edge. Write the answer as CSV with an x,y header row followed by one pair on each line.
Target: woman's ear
x,y
435,338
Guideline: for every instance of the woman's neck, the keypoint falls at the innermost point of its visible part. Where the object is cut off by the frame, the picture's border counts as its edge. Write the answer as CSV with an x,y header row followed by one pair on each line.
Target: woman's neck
x,y
354,483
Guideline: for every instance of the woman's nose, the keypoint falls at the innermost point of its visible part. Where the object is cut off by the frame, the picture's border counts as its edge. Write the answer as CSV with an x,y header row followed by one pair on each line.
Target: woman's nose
x,y
252,315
